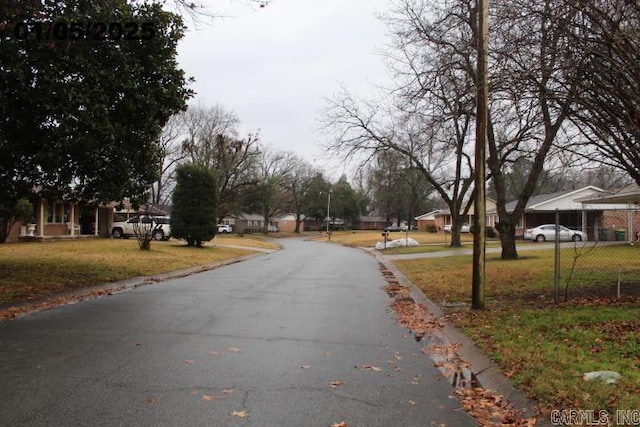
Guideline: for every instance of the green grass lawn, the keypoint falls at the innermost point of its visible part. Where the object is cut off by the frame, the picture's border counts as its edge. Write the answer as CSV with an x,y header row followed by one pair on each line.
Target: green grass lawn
x,y
546,348
36,269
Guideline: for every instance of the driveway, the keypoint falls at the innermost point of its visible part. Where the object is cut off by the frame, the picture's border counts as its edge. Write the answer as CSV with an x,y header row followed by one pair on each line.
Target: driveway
x,y
299,337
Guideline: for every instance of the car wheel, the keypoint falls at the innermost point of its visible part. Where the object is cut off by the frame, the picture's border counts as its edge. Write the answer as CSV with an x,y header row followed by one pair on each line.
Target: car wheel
x,y
540,238
116,233
158,235
576,238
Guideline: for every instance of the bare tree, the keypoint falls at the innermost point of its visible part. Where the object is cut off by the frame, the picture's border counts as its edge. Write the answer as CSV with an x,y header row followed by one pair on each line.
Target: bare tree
x,y
534,86
364,128
172,154
268,195
212,141
396,189
607,41
196,10
297,184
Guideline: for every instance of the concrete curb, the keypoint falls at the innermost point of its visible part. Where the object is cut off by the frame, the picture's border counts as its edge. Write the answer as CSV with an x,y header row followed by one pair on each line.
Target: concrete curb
x,y
486,371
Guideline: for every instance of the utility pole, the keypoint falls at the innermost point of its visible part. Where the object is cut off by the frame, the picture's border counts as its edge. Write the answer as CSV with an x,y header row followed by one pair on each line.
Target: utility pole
x,y
328,216
480,206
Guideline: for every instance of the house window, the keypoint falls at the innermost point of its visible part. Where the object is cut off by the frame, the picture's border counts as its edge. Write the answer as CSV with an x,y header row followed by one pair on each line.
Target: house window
x,y
56,212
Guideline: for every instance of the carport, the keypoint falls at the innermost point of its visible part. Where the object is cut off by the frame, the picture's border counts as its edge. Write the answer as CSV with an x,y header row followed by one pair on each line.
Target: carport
x,y
626,214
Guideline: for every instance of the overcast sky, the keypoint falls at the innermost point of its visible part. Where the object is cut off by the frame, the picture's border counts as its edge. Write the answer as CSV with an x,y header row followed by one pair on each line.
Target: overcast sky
x,y
273,66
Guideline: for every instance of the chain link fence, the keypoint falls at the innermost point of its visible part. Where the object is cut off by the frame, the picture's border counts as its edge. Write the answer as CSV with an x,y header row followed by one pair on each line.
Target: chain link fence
x,y
606,264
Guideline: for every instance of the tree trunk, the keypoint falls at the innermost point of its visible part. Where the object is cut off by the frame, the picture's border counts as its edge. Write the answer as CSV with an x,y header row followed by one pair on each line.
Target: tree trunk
x,y
456,242
507,230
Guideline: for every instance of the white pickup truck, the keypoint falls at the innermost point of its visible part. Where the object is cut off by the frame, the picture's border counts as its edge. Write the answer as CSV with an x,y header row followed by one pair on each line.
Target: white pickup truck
x,y
160,224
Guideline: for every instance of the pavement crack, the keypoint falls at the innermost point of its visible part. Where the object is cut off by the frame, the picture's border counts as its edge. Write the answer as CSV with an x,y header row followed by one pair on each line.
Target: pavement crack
x,y
246,397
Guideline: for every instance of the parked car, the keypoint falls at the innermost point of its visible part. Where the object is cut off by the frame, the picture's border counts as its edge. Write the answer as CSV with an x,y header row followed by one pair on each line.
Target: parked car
x,y
162,229
490,231
545,232
395,228
224,228
125,229
465,228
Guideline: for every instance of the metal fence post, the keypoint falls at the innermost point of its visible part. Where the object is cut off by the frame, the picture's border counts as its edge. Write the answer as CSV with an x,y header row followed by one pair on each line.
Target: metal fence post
x,y
556,273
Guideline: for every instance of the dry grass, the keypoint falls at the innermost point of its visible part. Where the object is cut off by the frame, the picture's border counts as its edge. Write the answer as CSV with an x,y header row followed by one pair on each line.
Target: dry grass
x,y
370,238
33,270
255,241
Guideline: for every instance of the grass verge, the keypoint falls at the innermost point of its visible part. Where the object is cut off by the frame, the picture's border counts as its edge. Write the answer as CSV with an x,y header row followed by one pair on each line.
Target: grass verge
x,y
545,348
370,238
32,270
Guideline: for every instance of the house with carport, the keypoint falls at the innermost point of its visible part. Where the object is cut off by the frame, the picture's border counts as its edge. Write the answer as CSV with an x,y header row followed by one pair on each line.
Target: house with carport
x,y
577,209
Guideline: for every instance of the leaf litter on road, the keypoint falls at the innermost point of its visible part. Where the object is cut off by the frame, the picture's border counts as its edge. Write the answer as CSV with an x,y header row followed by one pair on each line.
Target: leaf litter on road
x,y
336,384
371,368
490,409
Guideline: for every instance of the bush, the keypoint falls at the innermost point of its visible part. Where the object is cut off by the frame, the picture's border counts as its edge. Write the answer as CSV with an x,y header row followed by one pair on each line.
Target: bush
x,y
11,213
194,211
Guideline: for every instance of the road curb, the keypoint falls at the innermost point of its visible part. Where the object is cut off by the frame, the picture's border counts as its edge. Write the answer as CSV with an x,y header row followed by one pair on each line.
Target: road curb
x,y
485,370
99,290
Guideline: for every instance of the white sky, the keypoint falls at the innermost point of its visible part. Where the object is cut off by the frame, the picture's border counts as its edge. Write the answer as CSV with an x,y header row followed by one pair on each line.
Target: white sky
x,y
273,66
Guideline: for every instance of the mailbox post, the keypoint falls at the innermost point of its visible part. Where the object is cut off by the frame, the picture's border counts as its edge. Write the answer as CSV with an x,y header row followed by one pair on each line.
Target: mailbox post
x,y
385,235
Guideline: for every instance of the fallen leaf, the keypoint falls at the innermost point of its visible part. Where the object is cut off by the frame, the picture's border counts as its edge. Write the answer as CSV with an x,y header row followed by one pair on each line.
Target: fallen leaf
x,y
412,403
152,400
304,367
207,398
240,414
371,368
234,350
335,384
342,424
189,361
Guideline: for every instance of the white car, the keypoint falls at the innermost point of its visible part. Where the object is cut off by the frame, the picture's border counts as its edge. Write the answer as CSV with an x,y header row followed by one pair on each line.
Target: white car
x,y
466,228
224,228
124,229
546,232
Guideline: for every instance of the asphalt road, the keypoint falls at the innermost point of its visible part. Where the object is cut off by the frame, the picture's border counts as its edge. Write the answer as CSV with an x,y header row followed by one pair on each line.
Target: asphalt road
x,y
256,343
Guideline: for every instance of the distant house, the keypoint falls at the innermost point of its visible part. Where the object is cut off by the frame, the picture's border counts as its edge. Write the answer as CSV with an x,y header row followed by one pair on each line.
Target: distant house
x,y
287,223
443,216
371,223
428,221
248,223
587,209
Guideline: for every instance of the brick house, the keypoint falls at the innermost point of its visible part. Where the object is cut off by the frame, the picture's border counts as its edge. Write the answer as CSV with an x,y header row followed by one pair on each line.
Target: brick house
x,y
586,209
